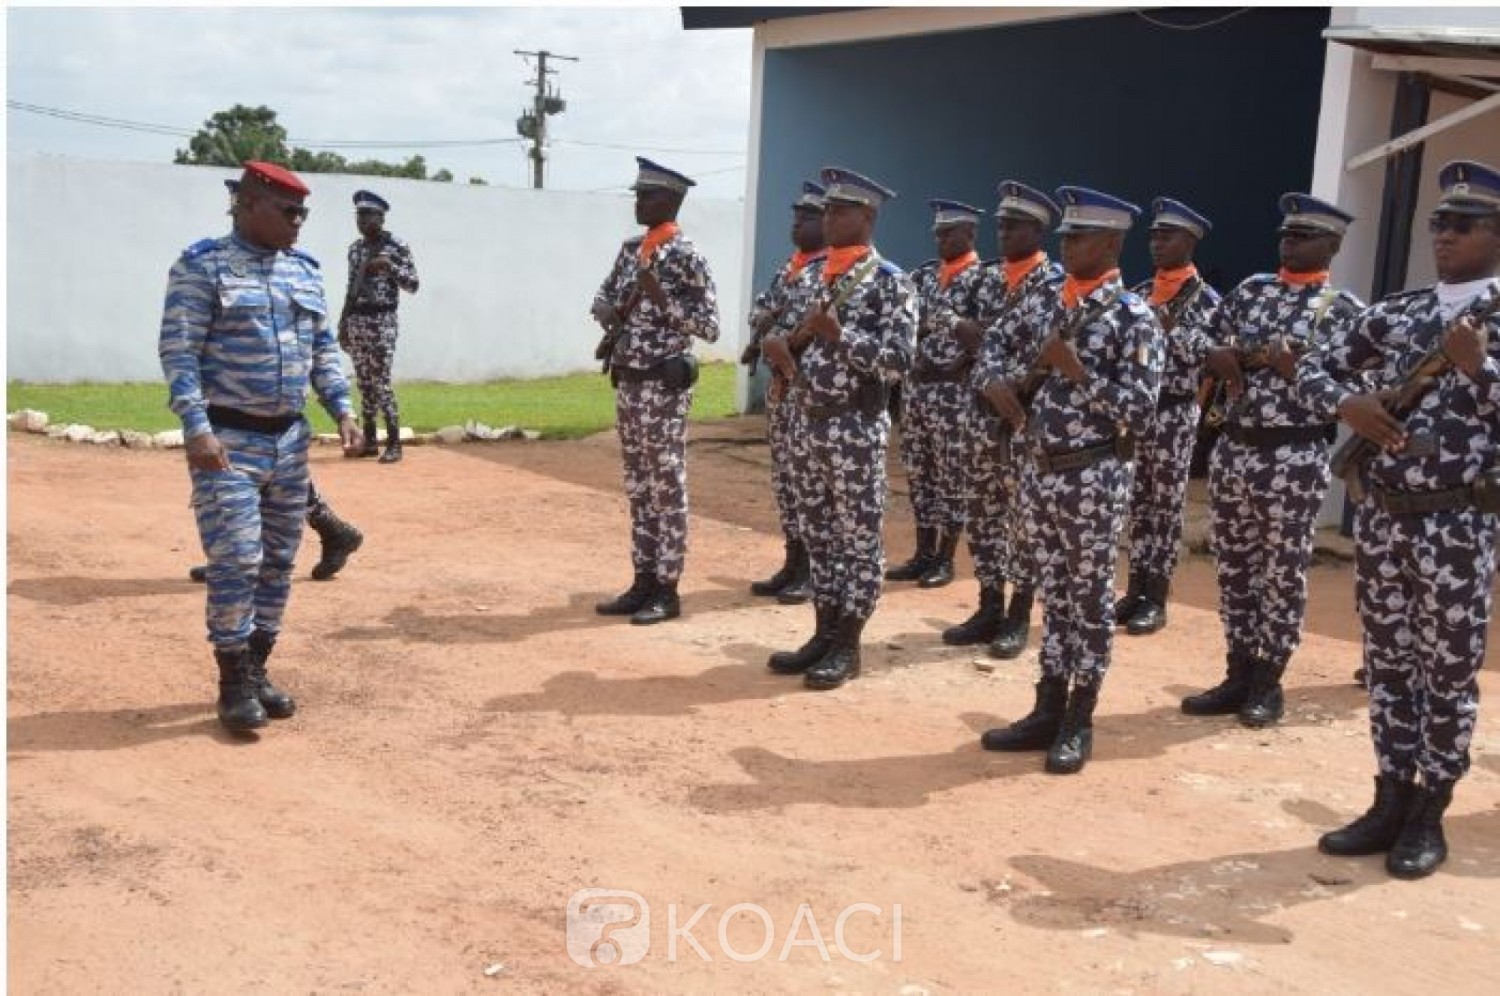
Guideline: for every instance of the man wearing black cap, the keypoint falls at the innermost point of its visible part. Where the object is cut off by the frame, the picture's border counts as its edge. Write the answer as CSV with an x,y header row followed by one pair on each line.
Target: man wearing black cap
x,y
777,309
658,297
244,333
855,341
937,394
380,268
1425,526
1092,377
1184,303
1022,294
1269,470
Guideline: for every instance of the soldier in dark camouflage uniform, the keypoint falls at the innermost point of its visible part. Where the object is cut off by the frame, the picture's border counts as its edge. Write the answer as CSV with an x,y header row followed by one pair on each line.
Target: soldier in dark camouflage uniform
x,y
1269,470
856,340
1164,455
1425,540
659,296
937,394
1095,378
380,268
776,309
1015,304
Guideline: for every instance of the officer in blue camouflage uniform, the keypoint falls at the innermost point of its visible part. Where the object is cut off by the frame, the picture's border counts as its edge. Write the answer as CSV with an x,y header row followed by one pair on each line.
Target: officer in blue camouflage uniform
x,y
937,394
1015,306
380,268
244,331
1425,525
1184,303
339,539
659,296
854,342
1269,470
778,308
1096,375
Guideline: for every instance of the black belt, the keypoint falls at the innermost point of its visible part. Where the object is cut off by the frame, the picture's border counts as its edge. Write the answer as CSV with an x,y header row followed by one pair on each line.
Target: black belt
x,y
870,399
370,309
233,418
1168,400
1422,502
941,375
1280,435
633,375
1056,463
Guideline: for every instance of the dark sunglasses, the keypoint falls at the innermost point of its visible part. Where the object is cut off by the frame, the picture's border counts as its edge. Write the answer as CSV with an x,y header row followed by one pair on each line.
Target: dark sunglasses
x,y
292,212
1459,224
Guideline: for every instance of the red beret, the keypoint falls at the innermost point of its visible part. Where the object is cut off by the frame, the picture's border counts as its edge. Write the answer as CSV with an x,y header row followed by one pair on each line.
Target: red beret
x,y
277,177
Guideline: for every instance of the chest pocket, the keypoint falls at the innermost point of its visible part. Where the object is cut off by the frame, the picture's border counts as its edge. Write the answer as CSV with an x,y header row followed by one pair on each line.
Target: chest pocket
x,y
240,296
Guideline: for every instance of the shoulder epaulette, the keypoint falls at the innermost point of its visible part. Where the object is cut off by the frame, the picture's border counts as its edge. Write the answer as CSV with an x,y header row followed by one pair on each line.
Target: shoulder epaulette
x,y
306,257
199,248
1141,287
928,264
890,268
1260,278
634,241
991,262
1400,296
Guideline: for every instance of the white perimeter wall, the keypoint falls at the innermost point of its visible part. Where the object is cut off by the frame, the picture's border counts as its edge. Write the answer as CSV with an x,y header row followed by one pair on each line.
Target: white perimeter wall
x,y
507,275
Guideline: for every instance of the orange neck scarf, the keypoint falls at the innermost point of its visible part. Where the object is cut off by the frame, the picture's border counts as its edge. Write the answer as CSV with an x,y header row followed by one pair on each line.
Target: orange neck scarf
x,y
952,268
1302,279
1075,290
655,237
800,259
841,260
1166,284
1017,271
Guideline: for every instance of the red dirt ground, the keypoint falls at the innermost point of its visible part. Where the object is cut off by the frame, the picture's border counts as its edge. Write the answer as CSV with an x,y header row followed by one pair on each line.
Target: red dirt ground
x,y
474,745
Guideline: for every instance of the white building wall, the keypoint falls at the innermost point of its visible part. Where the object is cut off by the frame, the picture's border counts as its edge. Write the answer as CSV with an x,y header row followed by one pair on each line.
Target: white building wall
x,y
507,275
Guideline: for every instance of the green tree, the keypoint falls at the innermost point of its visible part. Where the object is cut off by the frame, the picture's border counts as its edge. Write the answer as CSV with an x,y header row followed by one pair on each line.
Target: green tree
x,y
442,176
231,137
478,181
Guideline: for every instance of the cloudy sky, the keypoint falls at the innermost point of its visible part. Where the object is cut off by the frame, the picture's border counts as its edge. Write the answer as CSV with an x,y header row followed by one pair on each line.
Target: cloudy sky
x,y
392,74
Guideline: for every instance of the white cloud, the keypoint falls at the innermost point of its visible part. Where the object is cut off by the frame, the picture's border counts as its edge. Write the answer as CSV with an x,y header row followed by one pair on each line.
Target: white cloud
x,y
392,73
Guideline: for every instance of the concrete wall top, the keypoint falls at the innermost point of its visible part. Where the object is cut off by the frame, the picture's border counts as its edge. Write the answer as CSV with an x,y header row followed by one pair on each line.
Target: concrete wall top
x,y
507,275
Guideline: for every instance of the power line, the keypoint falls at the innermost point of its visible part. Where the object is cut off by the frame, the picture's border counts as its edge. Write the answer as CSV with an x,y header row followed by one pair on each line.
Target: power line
x,y
1191,27
650,148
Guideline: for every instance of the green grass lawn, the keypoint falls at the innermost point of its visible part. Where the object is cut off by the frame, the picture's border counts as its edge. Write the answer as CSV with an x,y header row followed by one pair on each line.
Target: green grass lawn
x,y
559,407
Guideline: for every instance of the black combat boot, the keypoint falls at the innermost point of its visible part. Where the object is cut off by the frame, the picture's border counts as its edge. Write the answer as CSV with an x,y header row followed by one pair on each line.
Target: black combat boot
x,y
372,439
1038,728
1150,612
799,588
340,539
392,452
984,625
1265,704
920,562
239,709
629,601
783,576
940,571
1011,640
1125,607
1421,846
842,662
1228,695
1075,740
278,704
814,650
661,606
1377,830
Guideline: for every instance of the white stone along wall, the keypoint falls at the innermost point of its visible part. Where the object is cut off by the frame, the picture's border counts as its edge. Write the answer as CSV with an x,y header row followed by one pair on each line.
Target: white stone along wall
x,y
507,275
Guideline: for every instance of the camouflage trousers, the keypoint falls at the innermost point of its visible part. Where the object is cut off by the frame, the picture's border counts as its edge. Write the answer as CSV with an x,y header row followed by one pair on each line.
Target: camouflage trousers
x,y
996,522
651,421
1163,457
1423,584
934,453
788,449
1263,509
842,493
372,347
1074,519
250,523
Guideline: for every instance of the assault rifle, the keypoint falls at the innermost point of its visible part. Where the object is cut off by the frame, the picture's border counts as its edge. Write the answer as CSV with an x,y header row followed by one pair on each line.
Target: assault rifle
x,y
614,323
1027,390
1349,460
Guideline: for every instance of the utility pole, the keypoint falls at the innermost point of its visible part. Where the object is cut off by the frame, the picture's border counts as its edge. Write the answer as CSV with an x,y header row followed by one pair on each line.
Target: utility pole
x,y
532,124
